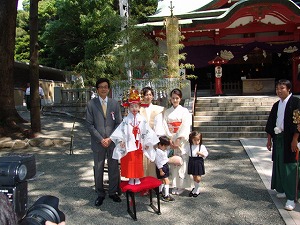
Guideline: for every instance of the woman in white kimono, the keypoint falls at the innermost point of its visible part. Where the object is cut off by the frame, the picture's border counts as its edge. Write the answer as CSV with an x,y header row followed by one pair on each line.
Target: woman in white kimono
x,y
177,123
149,111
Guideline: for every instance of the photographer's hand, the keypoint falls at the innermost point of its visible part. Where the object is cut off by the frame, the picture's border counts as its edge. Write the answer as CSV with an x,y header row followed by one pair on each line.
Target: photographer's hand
x,y
51,223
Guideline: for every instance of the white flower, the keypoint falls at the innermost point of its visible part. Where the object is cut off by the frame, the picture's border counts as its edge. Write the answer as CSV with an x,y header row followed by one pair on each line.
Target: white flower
x,y
277,130
113,115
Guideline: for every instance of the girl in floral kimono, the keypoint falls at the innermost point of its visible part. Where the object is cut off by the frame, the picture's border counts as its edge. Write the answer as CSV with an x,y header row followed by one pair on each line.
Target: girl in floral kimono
x,y
133,138
177,122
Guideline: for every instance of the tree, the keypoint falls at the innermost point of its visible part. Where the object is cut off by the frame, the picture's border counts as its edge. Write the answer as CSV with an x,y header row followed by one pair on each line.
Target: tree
x,y
75,32
46,14
22,50
35,115
81,31
140,9
9,116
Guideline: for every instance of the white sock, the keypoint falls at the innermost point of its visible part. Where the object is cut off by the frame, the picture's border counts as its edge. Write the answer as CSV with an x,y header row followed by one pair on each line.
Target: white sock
x,y
131,181
174,190
137,181
167,188
197,188
161,187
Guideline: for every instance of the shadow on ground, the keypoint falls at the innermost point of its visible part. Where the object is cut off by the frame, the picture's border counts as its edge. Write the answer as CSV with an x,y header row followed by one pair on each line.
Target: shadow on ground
x,y
231,191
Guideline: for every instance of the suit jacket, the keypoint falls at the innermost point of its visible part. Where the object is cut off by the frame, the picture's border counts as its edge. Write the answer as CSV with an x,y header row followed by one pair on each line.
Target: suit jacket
x,y
155,110
289,127
101,127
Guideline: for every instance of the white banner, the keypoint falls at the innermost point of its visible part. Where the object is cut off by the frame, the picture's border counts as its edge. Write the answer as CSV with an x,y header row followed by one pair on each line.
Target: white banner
x,y
123,5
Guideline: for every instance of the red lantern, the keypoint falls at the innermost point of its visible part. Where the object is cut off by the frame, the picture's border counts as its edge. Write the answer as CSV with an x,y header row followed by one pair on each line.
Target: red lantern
x,y
218,61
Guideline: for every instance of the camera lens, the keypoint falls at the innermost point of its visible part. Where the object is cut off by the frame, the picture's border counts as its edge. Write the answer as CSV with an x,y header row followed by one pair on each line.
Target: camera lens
x,y
44,209
22,172
39,214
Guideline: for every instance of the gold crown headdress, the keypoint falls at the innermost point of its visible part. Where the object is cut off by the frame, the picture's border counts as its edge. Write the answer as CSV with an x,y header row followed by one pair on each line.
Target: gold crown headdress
x,y
131,97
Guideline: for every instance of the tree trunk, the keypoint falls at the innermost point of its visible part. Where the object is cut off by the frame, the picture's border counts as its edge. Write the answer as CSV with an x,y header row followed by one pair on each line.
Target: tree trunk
x,y
35,114
8,13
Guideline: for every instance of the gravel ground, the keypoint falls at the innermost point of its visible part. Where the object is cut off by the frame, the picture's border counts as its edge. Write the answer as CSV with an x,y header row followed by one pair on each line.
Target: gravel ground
x,y
231,191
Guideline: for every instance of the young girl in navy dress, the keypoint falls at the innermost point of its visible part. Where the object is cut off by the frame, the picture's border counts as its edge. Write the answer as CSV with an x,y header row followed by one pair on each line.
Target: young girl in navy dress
x,y
197,153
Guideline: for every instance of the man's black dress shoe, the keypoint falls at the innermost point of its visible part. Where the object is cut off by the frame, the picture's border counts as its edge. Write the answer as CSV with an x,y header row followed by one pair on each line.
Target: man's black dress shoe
x,y
115,198
99,201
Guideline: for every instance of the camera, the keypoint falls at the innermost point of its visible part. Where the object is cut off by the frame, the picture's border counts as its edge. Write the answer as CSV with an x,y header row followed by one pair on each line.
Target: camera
x,y
44,209
15,170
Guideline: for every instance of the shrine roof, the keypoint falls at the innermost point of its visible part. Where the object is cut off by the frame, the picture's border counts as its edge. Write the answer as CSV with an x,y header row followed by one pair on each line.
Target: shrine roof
x,y
206,11
179,7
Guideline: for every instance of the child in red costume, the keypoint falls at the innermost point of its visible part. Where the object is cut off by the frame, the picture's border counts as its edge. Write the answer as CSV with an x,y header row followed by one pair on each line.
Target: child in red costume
x,y
133,138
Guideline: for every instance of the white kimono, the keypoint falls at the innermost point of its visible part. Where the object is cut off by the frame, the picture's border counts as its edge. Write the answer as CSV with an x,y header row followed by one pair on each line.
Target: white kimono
x,y
150,113
177,123
124,133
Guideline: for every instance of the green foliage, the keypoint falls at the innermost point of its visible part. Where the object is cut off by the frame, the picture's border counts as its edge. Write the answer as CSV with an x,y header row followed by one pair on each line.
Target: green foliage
x,y
85,37
22,37
140,9
26,5
47,13
82,31
93,69
141,54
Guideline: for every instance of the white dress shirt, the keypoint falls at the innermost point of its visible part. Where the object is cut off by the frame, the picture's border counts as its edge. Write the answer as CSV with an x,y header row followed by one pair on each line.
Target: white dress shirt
x,y
280,112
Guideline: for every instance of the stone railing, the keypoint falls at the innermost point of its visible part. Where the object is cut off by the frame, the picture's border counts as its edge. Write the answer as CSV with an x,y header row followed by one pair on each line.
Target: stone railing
x,y
73,101
162,87
73,96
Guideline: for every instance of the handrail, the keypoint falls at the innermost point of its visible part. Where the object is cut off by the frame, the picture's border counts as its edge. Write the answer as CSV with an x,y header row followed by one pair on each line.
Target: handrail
x,y
194,103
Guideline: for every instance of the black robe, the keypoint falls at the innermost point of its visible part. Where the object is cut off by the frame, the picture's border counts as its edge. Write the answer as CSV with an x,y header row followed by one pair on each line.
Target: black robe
x,y
289,127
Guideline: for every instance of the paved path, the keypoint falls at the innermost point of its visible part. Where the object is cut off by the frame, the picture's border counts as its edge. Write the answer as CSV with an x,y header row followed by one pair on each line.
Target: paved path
x,y
261,159
235,189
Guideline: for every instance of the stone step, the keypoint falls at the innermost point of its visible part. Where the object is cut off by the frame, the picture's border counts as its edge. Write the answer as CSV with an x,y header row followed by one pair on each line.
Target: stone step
x,y
237,99
232,108
232,135
232,117
231,128
236,117
231,123
223,104
231,113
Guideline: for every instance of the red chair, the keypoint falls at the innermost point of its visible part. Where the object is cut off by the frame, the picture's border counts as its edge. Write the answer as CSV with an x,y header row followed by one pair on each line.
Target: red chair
x,y
147,183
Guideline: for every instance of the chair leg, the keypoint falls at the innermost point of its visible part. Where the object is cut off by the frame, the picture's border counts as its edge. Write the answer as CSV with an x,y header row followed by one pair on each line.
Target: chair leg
x,y
156,209
130,196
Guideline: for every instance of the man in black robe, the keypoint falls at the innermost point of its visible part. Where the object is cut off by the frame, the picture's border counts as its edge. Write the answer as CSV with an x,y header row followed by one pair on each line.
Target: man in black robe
x,y
284,134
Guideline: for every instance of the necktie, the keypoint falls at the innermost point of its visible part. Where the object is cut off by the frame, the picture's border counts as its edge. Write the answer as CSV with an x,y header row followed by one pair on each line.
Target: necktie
x,y
104,108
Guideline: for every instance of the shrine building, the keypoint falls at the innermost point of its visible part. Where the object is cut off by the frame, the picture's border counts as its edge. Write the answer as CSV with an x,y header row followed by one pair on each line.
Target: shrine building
x,y
259,41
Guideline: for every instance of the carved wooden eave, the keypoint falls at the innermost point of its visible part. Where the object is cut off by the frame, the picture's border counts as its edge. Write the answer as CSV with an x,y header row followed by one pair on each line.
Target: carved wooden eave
x,y
246,21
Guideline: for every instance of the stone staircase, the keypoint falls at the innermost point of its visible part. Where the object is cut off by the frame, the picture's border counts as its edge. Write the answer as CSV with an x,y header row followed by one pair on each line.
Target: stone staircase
x,y
232,117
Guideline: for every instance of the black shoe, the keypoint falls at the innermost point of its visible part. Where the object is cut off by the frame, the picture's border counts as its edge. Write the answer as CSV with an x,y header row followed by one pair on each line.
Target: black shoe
x,y
99,201
168,198
196,195
191,193
115,198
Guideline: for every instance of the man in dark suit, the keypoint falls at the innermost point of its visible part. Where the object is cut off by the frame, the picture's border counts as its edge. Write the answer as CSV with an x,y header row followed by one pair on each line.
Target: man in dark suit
x,y
283,139
103,115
